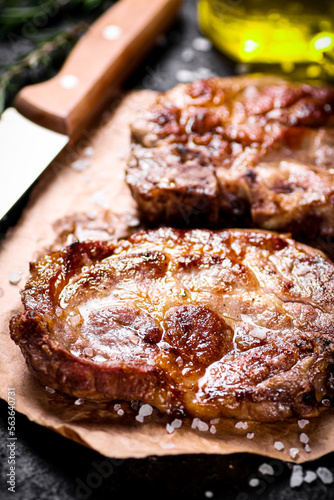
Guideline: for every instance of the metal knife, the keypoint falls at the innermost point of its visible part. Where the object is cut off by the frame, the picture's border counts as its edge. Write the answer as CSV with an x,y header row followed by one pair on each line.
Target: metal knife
x,y
48,115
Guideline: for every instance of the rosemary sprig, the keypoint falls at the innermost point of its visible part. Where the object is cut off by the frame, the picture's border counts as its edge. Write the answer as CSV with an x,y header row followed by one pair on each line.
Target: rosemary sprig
x,y
36,36
38,64
16,13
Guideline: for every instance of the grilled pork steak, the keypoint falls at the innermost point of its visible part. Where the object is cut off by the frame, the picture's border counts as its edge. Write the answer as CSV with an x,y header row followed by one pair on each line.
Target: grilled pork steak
x,y
253,151
233,323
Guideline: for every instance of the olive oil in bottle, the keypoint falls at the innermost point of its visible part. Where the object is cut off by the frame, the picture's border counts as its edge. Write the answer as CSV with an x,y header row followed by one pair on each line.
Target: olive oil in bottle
x,y
285,32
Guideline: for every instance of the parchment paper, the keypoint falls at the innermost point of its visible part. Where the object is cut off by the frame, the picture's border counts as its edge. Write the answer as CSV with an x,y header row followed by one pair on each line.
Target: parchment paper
x,y
86,200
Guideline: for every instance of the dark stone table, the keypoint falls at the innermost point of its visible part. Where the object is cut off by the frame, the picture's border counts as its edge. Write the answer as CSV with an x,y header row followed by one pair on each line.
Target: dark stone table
x,y
50,467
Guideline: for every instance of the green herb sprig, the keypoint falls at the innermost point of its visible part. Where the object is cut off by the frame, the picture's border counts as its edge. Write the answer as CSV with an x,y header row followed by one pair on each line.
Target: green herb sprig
x,y
36,36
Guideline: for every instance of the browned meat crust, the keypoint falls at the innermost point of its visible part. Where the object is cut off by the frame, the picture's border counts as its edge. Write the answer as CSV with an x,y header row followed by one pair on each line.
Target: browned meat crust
x,y
211,323
252,151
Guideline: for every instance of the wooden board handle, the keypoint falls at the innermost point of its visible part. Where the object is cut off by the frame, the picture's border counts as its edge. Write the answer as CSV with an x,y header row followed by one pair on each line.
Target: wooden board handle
x,y
102,59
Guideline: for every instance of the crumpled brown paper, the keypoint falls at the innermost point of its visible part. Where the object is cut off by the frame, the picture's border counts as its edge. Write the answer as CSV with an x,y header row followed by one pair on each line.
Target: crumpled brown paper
x,y
82,195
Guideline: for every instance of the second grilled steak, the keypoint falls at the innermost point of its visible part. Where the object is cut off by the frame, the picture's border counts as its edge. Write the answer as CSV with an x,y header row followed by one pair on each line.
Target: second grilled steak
x,y
252,151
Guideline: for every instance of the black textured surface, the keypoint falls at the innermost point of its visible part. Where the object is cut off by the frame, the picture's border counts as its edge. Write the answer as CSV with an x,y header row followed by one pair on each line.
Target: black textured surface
x,y
51,467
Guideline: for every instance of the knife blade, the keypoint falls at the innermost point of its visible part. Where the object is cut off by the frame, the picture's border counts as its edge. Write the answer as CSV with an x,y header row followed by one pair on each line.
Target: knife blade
x,y
21,166
49,115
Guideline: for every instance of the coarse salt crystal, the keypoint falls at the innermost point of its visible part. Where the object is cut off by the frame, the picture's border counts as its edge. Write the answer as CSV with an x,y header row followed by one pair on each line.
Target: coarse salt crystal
x,y
202,426
213,429
278,445
326,402
177,423
169,428
15,278
208,494
133,222
49,389
250,435
266,469
199,424
310,476
117,406
304,438
259,332
254,482
179,361
325,475
214,421
241,425
88,151
307,448
296,478
202,44
88,351
302,423
78,402
293,452
187,55
145,410
99,358
120,412
185,75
